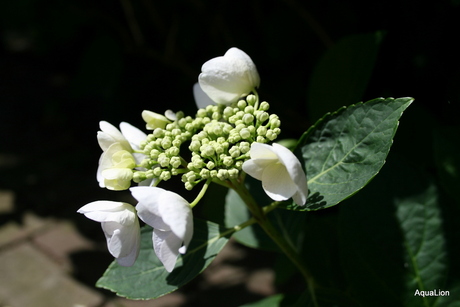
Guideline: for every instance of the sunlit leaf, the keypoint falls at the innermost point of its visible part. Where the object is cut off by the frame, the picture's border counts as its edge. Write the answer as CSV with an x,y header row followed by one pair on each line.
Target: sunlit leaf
x,y
147,278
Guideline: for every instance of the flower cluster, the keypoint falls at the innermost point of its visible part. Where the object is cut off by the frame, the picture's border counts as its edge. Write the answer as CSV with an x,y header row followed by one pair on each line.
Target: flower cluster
x,y
227,136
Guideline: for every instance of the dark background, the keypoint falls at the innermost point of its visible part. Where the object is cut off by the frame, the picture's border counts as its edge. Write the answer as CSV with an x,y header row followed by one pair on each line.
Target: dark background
x,y
66,65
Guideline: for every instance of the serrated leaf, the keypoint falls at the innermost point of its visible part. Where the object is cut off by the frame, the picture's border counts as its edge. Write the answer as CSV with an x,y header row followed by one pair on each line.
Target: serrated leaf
x,y
344,150
147,278
392,240
341,76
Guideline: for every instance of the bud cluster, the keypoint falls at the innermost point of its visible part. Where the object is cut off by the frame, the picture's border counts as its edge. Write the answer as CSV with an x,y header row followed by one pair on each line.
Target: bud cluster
x,y
220,138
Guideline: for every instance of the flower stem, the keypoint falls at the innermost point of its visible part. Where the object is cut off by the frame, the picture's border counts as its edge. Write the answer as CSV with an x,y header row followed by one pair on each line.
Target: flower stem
x,y
259,215
201,194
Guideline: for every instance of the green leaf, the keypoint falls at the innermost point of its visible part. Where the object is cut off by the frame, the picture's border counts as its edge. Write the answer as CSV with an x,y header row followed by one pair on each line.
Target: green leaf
x,y
392,240
344,150
341,76
271,301
147,278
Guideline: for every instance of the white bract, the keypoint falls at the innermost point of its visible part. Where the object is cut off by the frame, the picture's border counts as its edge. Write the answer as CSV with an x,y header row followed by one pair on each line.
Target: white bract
x,y
171,217
202,100
118,160
154,120
226,78
279,170
121,228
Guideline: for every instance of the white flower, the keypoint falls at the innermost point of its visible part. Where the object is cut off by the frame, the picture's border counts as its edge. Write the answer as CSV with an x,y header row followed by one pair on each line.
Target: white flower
x,y
279,170
171,218
118,160
226,78
121,228
201,99
154,120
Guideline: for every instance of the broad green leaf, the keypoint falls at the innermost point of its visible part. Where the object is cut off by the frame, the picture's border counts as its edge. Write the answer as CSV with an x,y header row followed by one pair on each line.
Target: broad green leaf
x,y
392,240
344,150
341,76
147,278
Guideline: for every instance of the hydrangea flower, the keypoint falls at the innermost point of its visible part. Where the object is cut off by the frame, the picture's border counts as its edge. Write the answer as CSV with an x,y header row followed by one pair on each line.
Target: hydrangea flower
x,y
202,100
121,228
171,217
118,160
279,170
226,78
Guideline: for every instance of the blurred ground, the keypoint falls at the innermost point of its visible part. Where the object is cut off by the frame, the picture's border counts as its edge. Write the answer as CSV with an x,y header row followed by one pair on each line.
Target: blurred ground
x,y
38,258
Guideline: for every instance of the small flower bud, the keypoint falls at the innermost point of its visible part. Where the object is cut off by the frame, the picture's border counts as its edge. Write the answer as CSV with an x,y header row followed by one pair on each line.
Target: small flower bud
x,y
251,99
241,104
248,118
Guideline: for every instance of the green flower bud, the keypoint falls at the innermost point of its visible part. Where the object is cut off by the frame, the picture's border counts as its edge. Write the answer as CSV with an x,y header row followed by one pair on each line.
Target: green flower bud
x,y
262,130
248,118
233,173
245,134
201,113
166,143
157,171
251,99
175,162
241,104
207,150
244,147
261,139
262,116
163,160
234,152
228,111
271,135
264,106
227,161
249,110
210,165
204,173
165,175
222,174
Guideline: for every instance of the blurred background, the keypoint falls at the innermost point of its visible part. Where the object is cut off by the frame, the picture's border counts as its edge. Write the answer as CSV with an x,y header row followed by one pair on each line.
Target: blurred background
x,y
66,65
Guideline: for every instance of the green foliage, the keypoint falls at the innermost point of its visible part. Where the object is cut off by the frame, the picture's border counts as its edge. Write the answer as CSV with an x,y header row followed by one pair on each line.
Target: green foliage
x,y
344,150
341,75
148,279
394,244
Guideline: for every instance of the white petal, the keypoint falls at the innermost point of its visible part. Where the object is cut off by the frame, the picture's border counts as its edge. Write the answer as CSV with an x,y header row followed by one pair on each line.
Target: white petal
x,y
295,171
253,169
176,212
277,183
109,135
132,134
247,63
263,154
166,246
201,99
169,114
104,211
225,79
148,206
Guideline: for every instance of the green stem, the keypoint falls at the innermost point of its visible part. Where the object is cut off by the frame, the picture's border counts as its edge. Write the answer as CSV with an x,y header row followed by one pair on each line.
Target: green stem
x,y
259,215
201,194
